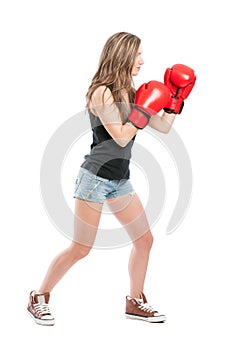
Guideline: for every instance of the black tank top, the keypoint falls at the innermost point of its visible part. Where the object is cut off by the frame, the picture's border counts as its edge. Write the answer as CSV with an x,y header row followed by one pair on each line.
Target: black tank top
x,y
107,159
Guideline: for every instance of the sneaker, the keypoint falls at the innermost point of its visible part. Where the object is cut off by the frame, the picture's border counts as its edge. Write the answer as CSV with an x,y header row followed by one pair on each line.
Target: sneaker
x,y
139,309
38,308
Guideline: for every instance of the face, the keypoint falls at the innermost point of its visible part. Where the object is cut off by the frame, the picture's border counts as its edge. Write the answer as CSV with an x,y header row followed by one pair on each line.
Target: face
x,y
138,62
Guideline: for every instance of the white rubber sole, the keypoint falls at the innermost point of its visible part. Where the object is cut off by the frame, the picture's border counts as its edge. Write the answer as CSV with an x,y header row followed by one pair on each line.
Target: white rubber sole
x,y
42,322
154,319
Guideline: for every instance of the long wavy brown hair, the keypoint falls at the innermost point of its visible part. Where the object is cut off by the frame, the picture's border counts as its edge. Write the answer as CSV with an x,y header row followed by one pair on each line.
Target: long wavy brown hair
x,y
115,67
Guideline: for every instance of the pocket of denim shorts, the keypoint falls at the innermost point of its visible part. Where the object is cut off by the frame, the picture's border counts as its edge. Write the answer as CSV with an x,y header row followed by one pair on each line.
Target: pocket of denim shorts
x,y
95,183
86,185
77,182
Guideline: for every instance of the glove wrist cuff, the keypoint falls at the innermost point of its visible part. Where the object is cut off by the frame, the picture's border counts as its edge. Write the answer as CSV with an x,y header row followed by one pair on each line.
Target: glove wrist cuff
x,y
175,106
138,117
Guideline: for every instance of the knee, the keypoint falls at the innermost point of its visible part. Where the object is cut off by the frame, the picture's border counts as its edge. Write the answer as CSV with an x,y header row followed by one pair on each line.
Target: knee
x,y
145,242
78,251
148,240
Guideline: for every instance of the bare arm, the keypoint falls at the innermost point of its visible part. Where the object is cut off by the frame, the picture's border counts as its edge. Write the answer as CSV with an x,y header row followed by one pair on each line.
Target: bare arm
x,y
103,105
163,123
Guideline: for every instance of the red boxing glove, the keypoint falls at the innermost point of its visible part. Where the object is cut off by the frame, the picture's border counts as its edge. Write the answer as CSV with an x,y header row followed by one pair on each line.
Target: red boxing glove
x,y
150,99
180,80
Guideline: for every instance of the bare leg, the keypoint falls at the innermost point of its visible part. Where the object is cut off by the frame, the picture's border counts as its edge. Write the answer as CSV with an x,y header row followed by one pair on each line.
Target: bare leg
x,y
138,263
130,212
87,216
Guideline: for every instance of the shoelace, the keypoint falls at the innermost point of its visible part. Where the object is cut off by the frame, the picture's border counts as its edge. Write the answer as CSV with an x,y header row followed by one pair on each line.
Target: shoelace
x,y
42,309
145,306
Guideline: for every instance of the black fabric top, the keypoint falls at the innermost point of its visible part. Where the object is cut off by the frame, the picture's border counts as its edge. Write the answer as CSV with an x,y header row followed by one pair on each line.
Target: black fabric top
x,y
106,158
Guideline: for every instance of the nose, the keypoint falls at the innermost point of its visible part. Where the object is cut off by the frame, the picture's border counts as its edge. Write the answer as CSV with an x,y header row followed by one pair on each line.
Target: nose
x,y
141,61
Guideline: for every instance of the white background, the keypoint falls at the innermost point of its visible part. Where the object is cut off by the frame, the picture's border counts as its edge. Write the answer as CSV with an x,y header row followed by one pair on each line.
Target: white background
x,y
49,53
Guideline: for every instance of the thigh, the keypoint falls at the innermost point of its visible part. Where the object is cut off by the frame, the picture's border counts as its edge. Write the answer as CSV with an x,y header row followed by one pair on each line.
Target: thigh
x,y
129,210
86,221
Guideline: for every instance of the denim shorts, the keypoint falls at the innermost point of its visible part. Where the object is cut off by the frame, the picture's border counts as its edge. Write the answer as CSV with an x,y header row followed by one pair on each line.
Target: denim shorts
x,y
94,188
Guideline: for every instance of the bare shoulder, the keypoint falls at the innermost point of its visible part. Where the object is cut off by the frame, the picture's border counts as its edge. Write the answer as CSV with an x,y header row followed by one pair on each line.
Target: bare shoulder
x,y
101,95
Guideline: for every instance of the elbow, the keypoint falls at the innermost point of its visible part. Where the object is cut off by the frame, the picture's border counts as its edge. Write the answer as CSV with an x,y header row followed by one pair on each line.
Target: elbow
x,y
122,143
166,130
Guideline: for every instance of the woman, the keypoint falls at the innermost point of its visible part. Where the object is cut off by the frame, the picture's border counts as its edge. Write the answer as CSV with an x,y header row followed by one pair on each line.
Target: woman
x,y
104,177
